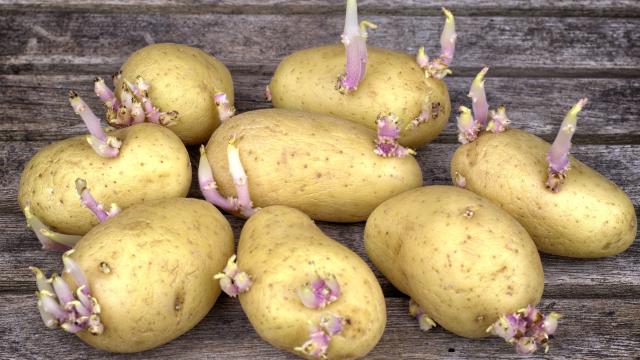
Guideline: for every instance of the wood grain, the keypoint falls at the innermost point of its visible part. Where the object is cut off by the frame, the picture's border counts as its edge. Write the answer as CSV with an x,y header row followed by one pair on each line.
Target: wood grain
x,y
535,46
35,107
543,54
564,278
619,8
613,332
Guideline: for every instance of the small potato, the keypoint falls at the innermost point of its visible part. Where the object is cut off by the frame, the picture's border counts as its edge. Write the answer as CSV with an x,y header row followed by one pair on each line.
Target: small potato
x,y
588,217
394,83
462,259
183,79
321,165
150,270
152,164
284,251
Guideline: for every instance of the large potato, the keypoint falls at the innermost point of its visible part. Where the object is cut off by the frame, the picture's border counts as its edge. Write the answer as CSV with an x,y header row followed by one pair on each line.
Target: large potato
x,y
394,83
182,79
283,249
589,217
464,260
152,164
318,164
151,270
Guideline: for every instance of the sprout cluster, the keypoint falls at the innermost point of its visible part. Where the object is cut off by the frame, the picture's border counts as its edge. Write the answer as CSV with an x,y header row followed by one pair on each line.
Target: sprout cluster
x,y
526,328
73,311
232,280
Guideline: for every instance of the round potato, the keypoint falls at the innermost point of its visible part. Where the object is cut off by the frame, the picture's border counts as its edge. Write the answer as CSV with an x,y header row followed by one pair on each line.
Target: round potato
x,y
284,250
321,165
182,79
151,270
152,164
394,83
589,217
461,258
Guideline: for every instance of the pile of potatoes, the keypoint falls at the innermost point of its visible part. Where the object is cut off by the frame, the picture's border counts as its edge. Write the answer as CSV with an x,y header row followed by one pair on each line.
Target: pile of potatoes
x,y
143,264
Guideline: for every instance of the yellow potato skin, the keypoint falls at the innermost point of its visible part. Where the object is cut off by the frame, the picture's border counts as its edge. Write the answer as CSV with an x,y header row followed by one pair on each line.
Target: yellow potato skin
x,y
321,165
465,271
589,217
283,249
152,164
151,269
394,82
182,79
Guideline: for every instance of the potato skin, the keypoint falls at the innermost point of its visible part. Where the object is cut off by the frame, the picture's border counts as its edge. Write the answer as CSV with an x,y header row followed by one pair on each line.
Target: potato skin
x,y
464,271
182,79
152,164
321,165
162,256
284,249
589,217
394,82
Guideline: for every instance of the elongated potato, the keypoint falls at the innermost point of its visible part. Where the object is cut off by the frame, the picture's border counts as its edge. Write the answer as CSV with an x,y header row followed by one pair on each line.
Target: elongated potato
x,y
152,164
321,165
589,217
150,270
284,251
462,259
184,79
394,83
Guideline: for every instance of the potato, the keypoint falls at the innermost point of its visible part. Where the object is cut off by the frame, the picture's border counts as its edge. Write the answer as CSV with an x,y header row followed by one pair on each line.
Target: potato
x,y
182,79
589,217
152,164
321,165
394,82
151,271
464,260
284,250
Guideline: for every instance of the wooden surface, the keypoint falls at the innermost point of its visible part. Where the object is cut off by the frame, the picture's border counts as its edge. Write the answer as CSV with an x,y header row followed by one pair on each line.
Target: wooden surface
x,y
544,55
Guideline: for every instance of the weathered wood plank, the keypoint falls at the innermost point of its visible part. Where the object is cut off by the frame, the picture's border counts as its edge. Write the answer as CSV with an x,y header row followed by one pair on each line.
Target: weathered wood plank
x,y
610,330
625,8
537,46
35,107
565,278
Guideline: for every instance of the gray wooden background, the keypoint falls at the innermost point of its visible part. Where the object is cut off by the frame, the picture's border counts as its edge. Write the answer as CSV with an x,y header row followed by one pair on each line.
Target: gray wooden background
x,y
544,55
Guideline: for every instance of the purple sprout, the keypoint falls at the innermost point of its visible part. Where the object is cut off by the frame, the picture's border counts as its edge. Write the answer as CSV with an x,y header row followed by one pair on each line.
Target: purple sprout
x,y
320,292
439,68
92,204
387,141
526,328
479,99
416,311
354,38
232,280
208,186
499,121
267,93
468,128
49,239
320,336
225,109
59,306
558,156
459,180
103,145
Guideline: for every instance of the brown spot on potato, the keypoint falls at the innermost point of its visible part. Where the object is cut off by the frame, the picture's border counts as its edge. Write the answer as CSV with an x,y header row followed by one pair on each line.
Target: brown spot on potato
x,y
104,267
